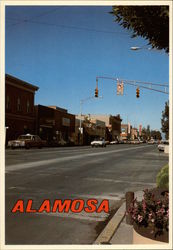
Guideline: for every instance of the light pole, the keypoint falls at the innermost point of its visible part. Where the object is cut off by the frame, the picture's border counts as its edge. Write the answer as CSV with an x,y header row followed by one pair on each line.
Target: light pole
x,y
81,103
140,48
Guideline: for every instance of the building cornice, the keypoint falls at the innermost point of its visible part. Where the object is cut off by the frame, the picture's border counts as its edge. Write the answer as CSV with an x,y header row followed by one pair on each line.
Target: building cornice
x,y
13,81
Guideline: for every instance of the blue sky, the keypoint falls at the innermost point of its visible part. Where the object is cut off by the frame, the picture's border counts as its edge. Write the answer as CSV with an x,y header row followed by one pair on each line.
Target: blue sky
x,y
63,49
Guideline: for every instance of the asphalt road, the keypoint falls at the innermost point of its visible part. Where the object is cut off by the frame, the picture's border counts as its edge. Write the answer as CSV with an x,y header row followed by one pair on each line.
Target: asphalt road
x,y
73,173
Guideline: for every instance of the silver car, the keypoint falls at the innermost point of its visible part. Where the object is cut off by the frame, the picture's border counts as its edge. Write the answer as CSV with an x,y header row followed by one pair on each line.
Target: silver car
x,y
98,143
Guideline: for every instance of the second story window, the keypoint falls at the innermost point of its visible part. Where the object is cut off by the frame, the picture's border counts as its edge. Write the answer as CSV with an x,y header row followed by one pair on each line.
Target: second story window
x,y
18,104
28,106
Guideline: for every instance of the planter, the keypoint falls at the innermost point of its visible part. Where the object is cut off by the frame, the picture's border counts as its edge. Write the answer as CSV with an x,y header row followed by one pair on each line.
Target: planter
x,y
143,235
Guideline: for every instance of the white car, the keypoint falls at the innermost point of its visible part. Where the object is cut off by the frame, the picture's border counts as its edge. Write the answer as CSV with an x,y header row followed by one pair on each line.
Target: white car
x,y
161,146
98,143
114,142
151,141
135,142
27,141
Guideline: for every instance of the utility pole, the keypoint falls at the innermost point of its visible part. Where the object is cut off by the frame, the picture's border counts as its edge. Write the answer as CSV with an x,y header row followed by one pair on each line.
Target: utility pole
x,y
81,103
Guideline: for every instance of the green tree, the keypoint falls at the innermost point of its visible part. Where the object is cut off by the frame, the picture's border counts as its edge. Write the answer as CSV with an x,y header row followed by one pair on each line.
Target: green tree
x,y
165,120
144,134
148,132
156,134
149,22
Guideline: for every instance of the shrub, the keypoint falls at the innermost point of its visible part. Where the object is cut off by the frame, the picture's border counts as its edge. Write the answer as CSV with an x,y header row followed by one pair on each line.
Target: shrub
x,y
162,178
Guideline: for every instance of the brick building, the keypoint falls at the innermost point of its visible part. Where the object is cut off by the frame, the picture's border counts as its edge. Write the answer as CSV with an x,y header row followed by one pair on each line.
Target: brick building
x,y
91,129
134,133
54,123
126,131
19,107
113,125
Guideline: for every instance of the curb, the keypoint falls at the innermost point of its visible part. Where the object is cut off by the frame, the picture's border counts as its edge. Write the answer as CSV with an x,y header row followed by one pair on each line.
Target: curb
x,y
112,226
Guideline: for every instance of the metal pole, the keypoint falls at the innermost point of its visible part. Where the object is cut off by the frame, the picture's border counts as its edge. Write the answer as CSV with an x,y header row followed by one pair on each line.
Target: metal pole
x,y
80,126
80,115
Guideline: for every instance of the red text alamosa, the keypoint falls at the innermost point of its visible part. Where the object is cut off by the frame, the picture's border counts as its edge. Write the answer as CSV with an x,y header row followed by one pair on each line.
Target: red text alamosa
x,y
75,206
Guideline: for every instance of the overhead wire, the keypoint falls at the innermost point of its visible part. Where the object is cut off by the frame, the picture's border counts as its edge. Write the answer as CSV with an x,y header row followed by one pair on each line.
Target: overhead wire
x,y
38,16
67,26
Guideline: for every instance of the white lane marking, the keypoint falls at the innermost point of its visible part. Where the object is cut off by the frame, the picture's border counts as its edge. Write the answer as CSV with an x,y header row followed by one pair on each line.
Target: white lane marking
x,y
113,197
48,151
81,216
119,181
67,158
101,197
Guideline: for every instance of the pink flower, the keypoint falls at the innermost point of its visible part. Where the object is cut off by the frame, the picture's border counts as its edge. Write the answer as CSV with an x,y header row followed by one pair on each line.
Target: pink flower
x,y
140,218
150,216
161,211
144,206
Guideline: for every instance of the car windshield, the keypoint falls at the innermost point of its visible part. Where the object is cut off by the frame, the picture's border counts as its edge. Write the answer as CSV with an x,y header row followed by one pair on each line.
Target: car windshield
x,y
24,137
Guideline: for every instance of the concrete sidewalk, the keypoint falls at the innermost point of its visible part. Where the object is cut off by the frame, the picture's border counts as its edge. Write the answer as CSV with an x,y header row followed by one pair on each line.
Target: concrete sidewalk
x,y
117,231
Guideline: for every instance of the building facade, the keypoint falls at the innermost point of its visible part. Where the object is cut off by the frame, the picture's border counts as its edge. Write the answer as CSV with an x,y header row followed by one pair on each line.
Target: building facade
x,y
54,124
91,128
19,107
113,125
126,131
134,133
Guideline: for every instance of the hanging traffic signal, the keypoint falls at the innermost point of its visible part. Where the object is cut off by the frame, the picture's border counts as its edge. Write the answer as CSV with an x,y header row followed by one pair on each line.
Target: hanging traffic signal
x,y
96,92
137,92
120,88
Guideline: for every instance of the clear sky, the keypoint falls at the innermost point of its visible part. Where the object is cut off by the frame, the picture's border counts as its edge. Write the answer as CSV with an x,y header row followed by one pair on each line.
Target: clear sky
x,y
63,49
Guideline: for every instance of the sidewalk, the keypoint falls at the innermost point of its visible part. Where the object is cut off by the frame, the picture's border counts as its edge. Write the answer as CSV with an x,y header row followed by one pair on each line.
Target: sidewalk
x,y
117,231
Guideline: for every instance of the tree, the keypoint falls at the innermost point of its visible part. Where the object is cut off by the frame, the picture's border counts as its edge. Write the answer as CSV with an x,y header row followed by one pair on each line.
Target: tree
x,y
165,120
148,132
144,134
150,22
155,134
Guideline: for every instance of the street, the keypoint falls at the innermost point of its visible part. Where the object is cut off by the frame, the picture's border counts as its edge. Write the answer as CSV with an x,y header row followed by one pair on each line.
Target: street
x,y
73,173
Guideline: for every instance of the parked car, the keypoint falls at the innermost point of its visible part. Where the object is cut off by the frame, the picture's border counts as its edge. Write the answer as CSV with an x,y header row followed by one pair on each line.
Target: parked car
x,y
27,141
161,146
98,143
129,141
114,142
151,141
107,142
135,142
121,142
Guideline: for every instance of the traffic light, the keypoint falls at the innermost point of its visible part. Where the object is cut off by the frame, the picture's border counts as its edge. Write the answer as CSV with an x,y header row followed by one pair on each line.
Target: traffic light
x,y
137,93
96,92
120,88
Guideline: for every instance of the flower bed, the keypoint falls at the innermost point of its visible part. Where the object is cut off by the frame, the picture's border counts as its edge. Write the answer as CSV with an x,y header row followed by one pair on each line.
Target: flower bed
x,y
151,215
